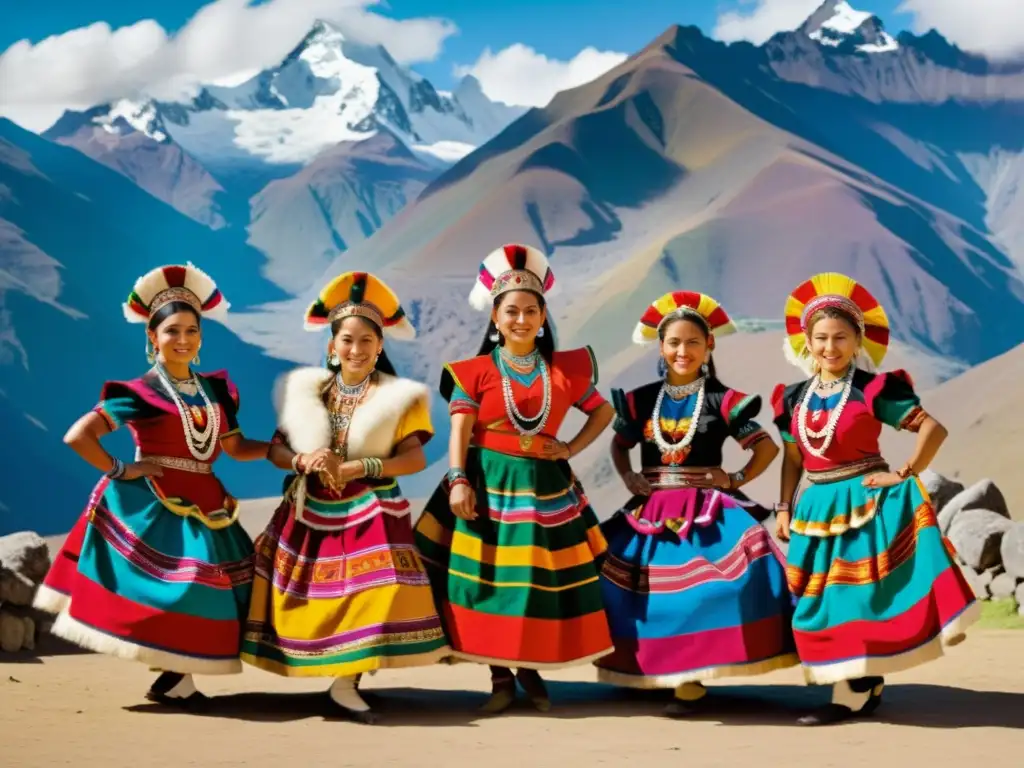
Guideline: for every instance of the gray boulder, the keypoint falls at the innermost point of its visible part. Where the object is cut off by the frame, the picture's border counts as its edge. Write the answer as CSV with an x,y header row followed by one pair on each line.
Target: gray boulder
x,y
1004,585
940,488
977,535
24,561
977,581
984,494
1012,550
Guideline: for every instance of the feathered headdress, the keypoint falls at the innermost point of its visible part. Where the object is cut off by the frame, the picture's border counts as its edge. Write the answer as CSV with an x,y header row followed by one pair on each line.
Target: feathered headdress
x,y
680,305
512,267
360,294
186,283
831,289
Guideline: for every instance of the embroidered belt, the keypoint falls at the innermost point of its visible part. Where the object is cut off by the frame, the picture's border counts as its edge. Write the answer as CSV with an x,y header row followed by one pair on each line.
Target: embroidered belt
x,y
511,443
674,477
846,471
173,462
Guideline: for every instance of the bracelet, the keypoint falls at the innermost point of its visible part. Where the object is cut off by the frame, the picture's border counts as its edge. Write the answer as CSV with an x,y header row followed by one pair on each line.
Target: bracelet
x,y
906,471
117,471
456,473
372,468
782,506
458,481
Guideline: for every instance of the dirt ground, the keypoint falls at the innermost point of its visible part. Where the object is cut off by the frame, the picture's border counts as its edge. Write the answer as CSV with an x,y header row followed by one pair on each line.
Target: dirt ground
x,y
69,708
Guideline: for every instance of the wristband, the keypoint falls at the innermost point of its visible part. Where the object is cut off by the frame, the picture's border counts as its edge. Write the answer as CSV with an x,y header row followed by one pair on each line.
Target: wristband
x,y
117,471
455,473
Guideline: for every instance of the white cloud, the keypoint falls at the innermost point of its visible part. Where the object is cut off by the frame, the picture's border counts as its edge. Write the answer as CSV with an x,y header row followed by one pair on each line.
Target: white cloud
x,y
94,64
992,27
763,19
520,76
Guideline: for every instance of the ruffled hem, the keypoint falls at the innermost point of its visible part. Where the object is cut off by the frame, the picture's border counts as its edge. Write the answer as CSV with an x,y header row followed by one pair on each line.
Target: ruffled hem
x,y
363,667
458,656
92,639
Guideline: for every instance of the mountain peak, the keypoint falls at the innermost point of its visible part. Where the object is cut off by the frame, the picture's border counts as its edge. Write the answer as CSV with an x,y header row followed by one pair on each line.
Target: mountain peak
x,y
837,24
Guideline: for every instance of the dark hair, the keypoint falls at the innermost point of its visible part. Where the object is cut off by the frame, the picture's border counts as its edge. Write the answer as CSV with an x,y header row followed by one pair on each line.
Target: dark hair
x,y
169,309
383,362
545,344
833,313
705,329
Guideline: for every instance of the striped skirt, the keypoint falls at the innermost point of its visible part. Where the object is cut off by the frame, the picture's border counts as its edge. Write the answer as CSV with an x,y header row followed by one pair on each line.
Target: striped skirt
x,y
518,586
341,590
138,581
695,589
877,589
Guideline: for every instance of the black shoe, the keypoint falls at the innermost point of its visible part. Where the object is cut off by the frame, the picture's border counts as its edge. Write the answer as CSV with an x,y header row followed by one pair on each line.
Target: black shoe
x,y
683,708
830,714
533,684
157,693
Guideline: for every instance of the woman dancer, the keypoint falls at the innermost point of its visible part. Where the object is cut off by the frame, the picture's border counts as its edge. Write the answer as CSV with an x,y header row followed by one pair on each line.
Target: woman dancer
x,y
158,568
509,538
340,589
877,589
694,586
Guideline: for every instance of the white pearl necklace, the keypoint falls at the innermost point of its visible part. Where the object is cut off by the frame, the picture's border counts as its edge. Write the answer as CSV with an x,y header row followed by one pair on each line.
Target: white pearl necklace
x,y
829,431
201,443
659,437
512,410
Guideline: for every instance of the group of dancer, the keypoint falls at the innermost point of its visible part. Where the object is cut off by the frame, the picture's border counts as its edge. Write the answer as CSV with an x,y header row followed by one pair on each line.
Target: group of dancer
x,y
508,564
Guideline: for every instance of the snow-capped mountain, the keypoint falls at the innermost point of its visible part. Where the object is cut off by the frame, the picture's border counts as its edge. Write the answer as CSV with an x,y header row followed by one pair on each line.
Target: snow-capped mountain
x,y
326,91
838,25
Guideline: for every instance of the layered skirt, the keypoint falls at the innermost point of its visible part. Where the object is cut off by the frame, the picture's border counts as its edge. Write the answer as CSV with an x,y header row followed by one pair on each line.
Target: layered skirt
x,y
340,588
877,588
518,586
144,576
695,589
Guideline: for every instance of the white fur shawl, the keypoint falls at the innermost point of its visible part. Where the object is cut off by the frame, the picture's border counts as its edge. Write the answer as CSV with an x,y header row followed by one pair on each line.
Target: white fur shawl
x,y
303,418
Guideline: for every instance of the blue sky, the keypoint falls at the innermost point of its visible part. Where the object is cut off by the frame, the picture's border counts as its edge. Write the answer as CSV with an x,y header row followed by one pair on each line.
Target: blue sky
x,y
556,28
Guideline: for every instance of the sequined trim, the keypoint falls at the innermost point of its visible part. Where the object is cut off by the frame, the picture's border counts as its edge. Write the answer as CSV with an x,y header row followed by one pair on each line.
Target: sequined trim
x,y
173,462
673,477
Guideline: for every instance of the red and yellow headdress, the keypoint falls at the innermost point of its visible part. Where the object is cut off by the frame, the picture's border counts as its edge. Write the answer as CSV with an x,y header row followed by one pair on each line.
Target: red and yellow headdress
x,y
512,267
831,289
680,305
359,294
176,282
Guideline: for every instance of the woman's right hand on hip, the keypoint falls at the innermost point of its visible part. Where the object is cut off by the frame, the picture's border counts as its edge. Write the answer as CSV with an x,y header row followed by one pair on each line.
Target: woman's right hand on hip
x,y
637,484
142,469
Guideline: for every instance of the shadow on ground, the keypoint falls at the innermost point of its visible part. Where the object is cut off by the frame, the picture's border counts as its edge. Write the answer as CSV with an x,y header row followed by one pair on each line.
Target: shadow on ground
x,y
921,706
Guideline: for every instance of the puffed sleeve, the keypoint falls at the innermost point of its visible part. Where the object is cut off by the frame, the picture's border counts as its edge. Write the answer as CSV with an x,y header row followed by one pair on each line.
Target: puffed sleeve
x,y
894,401
119,404
782,411
580,365
460,386
415,423
628,429
739,411
227,395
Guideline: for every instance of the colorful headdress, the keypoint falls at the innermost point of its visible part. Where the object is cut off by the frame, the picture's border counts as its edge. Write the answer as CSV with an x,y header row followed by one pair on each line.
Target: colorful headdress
x,y
186,283
681,305
831,289
359,294
511,268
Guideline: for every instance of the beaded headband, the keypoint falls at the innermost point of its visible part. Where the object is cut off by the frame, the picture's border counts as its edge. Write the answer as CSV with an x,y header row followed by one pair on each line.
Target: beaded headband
x,y
685,313
516,280
171,295
833,301
174,282
367,310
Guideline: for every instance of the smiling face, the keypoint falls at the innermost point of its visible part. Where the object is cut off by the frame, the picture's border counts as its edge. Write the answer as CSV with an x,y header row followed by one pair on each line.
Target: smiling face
x,y
685,346
358,344
518,317
834,341
177,338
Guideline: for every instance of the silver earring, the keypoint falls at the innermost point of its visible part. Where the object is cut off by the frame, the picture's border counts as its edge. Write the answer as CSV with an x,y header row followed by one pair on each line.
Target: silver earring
x,y
704,369
195,360
540,333
150,353
334,359
495,337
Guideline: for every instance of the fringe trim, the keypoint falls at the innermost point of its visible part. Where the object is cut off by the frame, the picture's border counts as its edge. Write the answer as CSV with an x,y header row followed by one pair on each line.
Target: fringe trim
x,y
521,664
952,634
92,639
648,682
50,600
365,667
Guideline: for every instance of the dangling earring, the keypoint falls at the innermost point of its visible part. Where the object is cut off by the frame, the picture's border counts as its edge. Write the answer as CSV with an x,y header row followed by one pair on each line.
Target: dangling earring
x,y
195,360
540,333
495,337
703,369
150,353
333,359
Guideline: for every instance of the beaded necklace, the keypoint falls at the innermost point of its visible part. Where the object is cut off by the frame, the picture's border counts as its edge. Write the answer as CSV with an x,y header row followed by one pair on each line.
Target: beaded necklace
x,y
683,390
527,427
201,443
828,432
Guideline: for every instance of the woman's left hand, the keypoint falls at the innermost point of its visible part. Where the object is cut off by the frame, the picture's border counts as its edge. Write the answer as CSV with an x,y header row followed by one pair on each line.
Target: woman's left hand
x,y
882,480
719,479
556,450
